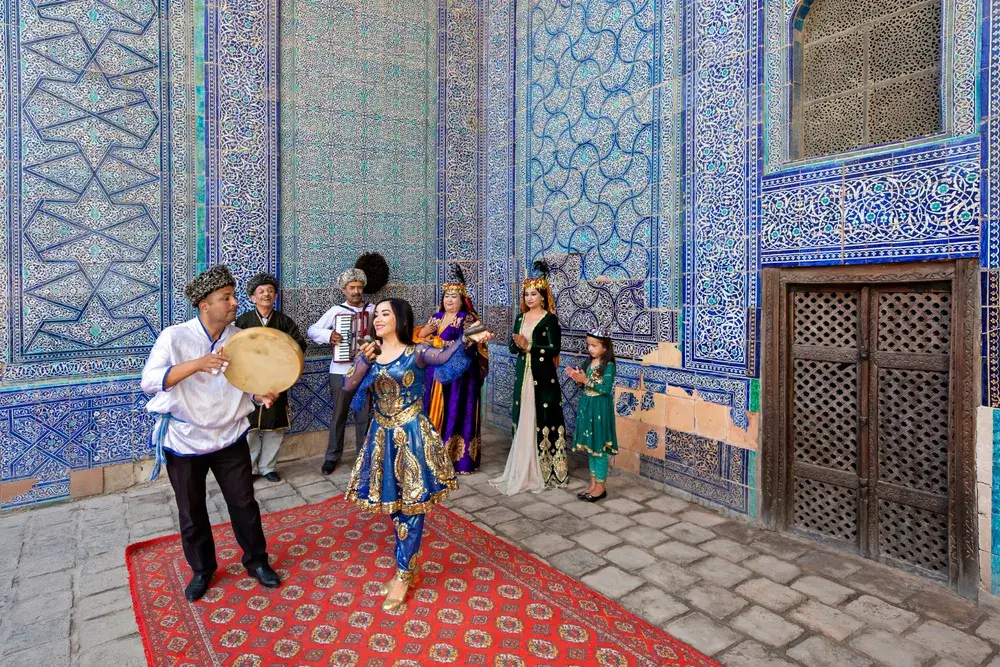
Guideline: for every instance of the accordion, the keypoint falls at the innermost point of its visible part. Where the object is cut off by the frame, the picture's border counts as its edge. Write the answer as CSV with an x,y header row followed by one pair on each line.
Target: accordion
x,y
344,325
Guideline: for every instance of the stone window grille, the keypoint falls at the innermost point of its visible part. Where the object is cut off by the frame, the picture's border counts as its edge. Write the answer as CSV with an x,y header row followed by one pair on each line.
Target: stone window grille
x,y
864,73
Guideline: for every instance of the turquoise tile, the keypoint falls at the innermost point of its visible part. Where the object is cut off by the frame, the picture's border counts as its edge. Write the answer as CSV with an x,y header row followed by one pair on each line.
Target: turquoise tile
x,y
995,574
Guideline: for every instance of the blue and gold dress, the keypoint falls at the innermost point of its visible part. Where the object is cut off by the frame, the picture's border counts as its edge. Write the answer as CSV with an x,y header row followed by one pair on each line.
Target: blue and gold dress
x,y
403,468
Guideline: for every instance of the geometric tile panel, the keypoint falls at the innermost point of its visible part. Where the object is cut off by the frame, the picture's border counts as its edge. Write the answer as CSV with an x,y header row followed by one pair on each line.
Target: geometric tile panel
x,y
722,181
497,88
990,143
95,232
241,136
310,405
357,98
598,160
47,433
991,338
458,167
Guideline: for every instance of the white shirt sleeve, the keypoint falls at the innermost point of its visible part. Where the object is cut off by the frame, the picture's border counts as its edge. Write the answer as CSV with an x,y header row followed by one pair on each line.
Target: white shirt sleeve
x,y
320,332
154,373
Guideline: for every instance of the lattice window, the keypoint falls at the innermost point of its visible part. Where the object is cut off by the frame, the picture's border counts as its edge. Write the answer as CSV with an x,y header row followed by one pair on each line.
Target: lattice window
x,y
913,535
866,72
826,509
826,437
917,322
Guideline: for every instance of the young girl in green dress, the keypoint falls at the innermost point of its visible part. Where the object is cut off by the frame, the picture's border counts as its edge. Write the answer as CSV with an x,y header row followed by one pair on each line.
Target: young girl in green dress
x,y
595,416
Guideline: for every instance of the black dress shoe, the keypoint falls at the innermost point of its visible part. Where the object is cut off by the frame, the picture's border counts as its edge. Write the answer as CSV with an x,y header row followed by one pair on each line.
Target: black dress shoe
x,y
272,477
328,467
266,576
594,499
197,586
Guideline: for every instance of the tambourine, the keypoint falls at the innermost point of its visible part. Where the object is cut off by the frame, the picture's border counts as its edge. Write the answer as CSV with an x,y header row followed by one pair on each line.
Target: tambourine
x,y
263,361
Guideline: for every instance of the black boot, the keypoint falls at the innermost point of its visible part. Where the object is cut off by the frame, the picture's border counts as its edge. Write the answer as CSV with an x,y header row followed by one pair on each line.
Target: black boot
x,y
328,467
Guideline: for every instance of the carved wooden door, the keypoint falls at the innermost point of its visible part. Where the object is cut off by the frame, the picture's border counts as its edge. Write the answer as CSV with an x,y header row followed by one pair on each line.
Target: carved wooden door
x,y
869,420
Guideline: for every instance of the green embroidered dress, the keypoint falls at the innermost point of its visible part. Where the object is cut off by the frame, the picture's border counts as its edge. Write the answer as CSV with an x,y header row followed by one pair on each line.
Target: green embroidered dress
x,y
595,415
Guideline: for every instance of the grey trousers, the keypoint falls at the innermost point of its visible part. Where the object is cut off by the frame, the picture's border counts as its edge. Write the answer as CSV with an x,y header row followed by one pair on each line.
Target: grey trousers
x,y
341,406
264,446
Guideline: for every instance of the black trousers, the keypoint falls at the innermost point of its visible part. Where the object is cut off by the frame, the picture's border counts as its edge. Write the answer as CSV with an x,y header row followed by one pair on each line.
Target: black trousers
x,y
231,467
341,407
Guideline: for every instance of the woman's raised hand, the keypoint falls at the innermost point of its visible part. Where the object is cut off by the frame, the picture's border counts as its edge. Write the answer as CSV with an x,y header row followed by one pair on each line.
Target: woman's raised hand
x,y
371,350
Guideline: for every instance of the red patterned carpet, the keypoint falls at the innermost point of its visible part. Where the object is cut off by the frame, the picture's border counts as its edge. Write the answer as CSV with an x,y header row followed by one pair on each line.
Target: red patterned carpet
x,y
479,602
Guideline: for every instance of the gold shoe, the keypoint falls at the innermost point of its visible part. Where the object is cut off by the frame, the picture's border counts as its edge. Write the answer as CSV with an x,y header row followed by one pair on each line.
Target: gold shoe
x,y
392,604
413,574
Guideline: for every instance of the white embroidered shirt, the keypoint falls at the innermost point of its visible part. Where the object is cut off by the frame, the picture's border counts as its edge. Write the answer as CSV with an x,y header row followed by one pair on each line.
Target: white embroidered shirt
x,y
206,412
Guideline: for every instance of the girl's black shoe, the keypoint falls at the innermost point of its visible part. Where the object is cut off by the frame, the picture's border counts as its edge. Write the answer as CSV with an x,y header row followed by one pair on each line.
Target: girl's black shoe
x,y
594,499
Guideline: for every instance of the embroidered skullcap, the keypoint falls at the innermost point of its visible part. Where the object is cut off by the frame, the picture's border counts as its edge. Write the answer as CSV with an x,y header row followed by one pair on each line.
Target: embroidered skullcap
x,y
207,282
352,276
599,332
261,279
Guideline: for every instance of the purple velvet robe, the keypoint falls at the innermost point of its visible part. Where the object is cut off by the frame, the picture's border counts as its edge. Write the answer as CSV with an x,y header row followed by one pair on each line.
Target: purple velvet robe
x,y
459,426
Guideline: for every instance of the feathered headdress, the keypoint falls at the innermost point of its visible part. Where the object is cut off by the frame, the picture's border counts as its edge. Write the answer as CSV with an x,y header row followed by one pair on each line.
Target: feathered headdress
x,y
376,270
457,284
540,282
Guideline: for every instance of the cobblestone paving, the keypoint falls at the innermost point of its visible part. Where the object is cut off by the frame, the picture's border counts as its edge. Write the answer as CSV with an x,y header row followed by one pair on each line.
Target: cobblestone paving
x,y
747,597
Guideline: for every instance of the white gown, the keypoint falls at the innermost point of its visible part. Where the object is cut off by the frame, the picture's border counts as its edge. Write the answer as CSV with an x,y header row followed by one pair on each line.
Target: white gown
x,y
523,471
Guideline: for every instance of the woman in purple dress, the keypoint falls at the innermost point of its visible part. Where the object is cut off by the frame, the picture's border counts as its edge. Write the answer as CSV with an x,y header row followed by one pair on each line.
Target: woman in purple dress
x,y
453,409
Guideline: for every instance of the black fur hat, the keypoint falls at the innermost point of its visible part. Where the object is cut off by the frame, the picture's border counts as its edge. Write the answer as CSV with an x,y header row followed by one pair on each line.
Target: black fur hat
x,y
376,270
207,282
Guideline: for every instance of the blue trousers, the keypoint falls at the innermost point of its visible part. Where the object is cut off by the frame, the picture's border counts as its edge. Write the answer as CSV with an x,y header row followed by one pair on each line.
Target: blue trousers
x,y
409,531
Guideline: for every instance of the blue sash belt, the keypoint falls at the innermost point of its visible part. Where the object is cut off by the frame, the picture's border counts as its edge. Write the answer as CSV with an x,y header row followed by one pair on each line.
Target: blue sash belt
x,y
159,435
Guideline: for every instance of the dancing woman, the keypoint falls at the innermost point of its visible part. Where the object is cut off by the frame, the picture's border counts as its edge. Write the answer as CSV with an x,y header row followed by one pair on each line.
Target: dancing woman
x,y
403,468
454,408
537,458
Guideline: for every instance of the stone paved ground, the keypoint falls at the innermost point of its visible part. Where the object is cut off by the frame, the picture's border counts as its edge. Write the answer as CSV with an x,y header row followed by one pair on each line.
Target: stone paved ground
x,y
744,596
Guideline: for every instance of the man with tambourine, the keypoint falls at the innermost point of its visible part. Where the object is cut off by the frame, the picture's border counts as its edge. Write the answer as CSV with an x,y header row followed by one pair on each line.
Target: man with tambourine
x,y
202,425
